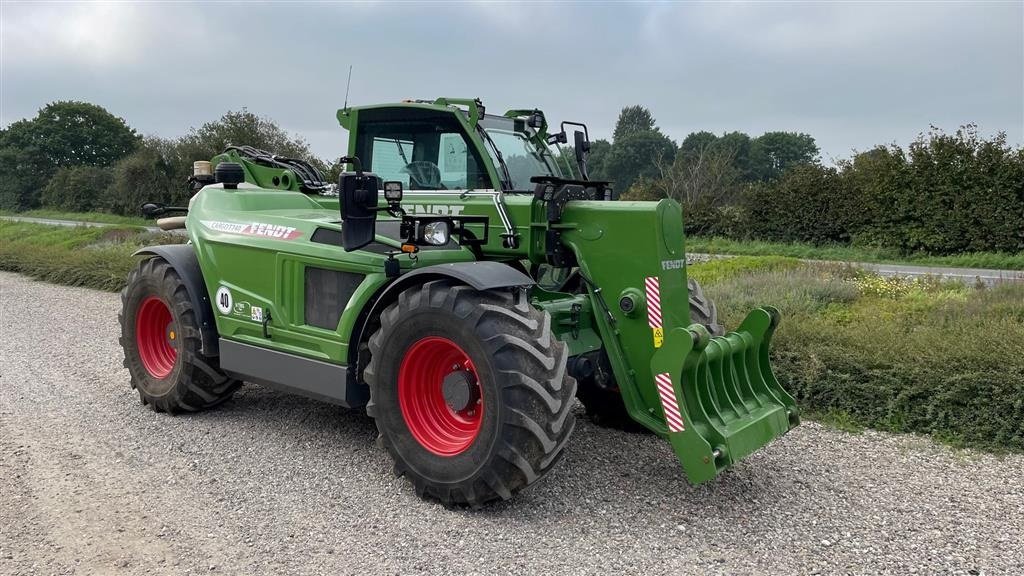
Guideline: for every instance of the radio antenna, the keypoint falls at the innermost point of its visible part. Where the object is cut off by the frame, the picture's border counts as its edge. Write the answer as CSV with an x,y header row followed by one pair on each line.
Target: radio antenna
x,y
348,85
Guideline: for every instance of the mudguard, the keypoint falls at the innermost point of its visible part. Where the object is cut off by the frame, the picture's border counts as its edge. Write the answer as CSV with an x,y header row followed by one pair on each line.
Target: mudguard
x,y
182,257
481,275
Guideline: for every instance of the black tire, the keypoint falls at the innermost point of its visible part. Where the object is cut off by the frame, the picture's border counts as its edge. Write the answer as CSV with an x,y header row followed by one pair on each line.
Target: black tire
x,y
525,393
192,382
703,309
604,401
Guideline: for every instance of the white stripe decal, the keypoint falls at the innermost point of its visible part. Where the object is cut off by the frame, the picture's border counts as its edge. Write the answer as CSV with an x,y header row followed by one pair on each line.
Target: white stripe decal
x,y
669,405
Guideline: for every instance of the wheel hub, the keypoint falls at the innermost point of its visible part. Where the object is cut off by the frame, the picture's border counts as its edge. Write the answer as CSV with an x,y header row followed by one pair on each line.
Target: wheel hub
x,y
460,390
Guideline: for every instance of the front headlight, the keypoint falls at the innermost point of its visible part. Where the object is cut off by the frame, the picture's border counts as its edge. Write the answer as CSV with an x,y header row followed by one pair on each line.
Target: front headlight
x,y
436,233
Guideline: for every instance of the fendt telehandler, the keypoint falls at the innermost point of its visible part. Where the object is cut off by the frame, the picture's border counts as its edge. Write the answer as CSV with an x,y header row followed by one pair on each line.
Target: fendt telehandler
x,y
460,285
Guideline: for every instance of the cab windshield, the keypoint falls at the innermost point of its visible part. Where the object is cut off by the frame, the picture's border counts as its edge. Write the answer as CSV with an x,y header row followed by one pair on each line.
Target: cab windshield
x,y
511,139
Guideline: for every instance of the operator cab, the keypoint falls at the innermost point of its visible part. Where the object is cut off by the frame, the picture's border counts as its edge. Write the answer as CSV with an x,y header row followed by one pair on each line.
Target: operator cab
x,y
429,149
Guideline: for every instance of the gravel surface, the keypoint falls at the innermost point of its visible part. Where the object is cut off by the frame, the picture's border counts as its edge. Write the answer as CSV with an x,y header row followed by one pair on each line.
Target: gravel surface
x,y
93,483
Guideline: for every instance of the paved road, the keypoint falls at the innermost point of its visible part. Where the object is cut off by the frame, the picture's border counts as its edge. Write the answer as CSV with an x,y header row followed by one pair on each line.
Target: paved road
x,y
93,483
53,222
969,275
988,276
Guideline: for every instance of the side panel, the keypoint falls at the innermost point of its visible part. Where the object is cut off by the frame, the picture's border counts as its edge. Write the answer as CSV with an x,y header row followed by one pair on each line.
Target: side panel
x,y
255,247
292,374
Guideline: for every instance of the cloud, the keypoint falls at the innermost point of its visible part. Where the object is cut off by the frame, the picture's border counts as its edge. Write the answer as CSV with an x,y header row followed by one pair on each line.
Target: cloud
x,y
851,74
98,35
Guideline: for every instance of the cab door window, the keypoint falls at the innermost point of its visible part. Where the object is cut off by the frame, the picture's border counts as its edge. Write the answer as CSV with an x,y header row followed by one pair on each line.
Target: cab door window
x,y
422,155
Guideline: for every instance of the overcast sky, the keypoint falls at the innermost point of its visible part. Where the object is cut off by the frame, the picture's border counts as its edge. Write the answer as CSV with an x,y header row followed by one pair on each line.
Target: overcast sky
x,y
850,74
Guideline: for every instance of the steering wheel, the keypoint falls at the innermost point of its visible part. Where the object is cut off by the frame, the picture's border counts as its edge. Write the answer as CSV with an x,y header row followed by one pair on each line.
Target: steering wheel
x,y
425,175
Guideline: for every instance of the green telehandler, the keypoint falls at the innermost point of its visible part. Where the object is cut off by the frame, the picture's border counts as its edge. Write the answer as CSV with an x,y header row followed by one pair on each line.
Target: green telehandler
x,y
462,286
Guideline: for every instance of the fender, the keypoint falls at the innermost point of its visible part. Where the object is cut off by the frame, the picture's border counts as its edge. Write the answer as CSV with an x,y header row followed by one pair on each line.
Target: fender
x,y
481,275
182,257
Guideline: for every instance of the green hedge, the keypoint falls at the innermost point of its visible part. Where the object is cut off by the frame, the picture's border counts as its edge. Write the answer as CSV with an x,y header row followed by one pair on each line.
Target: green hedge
x,y
946,194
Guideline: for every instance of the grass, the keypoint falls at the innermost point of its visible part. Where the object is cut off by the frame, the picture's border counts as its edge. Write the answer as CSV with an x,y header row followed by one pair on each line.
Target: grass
x,y
858,350
76,256
100,217
840,253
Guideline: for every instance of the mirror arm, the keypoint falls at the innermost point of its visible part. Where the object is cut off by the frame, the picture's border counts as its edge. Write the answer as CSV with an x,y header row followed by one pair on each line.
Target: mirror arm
x,y
354,161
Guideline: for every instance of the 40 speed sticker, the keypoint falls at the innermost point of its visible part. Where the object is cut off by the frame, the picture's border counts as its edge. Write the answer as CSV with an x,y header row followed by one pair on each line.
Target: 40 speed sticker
x,y
224,300
254,229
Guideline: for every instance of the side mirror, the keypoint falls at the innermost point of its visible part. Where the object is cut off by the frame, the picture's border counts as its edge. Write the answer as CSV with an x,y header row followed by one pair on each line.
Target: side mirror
x,y
358,208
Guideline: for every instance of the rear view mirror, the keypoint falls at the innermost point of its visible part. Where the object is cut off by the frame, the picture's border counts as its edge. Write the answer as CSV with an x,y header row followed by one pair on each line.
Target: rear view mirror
x,y
358,209
582,145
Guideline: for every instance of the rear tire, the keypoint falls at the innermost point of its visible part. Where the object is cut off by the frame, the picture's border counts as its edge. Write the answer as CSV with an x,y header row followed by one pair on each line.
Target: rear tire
x,y
604,403
162,344
508,423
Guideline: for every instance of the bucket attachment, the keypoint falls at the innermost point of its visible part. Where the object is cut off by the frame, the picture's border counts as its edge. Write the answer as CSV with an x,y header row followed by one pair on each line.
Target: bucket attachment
x,y
720,399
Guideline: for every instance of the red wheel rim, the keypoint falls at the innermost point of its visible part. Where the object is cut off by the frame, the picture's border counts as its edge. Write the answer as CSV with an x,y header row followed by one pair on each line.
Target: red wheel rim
x,y
154,333
437,426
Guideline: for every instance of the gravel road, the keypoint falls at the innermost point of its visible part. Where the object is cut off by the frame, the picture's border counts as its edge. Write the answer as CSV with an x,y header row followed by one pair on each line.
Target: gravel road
x,y
93,483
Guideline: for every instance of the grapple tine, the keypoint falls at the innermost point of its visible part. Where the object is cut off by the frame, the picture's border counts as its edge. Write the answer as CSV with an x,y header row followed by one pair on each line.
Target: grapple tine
x,y
720,398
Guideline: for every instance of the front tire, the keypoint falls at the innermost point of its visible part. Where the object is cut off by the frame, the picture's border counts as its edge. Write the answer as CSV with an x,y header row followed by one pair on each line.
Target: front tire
x,y
469,392
162,344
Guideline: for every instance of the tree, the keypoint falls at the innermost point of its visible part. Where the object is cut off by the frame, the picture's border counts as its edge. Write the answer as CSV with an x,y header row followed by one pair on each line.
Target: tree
x,y
597,163
701,176
772,153
77,189
637,155
69,133
62,135
633,120
739,145
23,174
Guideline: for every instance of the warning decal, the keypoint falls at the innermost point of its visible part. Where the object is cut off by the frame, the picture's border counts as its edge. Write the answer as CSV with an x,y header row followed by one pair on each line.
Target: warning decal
x,y
669,405
652,287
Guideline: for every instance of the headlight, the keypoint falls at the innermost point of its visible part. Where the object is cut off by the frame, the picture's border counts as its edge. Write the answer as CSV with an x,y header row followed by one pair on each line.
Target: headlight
x,y
436,233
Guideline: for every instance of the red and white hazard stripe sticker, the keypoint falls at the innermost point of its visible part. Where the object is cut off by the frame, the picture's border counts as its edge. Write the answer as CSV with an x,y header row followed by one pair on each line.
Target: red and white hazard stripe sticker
x,y
653,288
668,402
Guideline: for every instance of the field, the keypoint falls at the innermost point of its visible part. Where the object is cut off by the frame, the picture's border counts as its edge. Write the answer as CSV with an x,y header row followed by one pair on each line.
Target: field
x,y
77,256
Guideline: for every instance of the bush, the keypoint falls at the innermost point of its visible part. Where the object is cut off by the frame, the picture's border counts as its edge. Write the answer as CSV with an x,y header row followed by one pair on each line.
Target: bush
x,y
809,203
140,178
23,174
77,189
948,194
